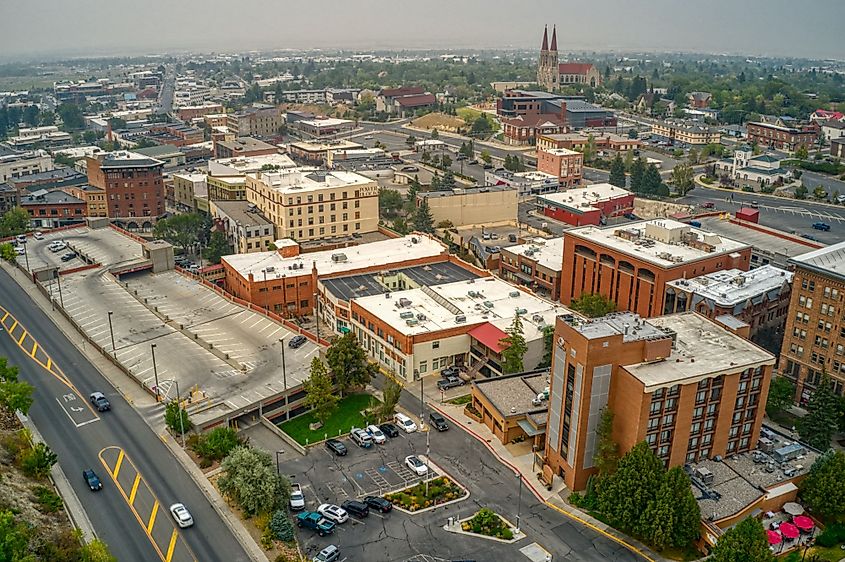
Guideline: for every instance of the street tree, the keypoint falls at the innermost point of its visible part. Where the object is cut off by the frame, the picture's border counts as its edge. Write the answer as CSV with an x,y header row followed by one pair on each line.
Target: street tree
x,y
7,252
485,156
801,153
682,178
593,305
423,219
515,347
176,418
801,192
217,247
625,494
745,542
14,394
617,172
781,394
390,398
15,221
822,489
319,391
250,479
348,363
822,419
606,456
819,192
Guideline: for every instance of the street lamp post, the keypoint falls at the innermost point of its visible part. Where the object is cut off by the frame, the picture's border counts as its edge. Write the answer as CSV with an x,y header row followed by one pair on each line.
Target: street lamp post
x,y
111,331
59,280
278,464
26,257
519,501
285,379
181,417
155,370
422,408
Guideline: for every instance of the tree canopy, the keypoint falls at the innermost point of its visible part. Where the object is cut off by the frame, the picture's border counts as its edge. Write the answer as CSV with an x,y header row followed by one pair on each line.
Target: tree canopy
x,y
822,489
617,172
319,391
593,305
250,479
217,247
183,231
822,419
349,364
15,221
746,542
14,394
781,394
515,347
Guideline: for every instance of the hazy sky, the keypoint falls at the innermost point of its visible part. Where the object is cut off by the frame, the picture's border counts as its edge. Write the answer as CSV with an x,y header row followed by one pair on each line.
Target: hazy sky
x,y
808,28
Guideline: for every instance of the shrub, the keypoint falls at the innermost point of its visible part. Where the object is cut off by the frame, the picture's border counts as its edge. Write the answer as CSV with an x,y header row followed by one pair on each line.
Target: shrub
x,y
37,461
827,538
281,526
217,443
47,499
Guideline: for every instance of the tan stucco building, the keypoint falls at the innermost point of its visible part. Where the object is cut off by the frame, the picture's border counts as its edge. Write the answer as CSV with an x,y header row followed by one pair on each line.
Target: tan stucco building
x,y
463,207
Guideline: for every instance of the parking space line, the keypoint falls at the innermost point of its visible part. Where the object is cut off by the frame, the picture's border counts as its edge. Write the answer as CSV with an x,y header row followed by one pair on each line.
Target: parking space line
x,y
134,488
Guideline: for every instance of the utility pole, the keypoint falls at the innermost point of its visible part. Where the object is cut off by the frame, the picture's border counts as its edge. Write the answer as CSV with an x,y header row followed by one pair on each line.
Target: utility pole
x,y
155,370
182,418
285,379
111,331
428,459
26,257
59,279
519,501
422,408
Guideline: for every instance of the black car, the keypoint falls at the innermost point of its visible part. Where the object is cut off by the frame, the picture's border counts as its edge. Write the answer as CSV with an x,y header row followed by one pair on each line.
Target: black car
x,y
379,503
389,429
356,508
92,480
336,447
438,421
297,341
68,256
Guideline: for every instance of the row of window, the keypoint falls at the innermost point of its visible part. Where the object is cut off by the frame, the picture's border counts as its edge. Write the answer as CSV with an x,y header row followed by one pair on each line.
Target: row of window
x,y
332,218
322,230
321,208
310,198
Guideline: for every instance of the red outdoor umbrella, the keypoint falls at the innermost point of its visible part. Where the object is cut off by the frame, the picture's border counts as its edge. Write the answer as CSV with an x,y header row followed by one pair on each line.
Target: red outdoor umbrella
x,y
774,537
789,531
803,522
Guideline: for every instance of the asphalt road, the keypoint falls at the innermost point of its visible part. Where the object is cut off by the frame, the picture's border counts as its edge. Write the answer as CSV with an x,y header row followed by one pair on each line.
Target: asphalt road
x,y
812,180
83,439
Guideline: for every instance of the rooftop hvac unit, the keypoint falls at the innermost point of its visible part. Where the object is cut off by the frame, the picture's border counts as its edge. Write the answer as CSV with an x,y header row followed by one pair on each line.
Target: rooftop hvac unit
x,y
270,269
488,304
421,317
460,319
514,294
472,294
403,302
705,475
406,315
415,240
338,257
766,445
538,318
411,322
521,311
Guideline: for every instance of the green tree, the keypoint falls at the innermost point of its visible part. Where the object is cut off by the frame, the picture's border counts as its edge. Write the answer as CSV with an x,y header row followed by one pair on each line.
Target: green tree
x,y
7,252
548,346
410,140
682,178
625,494
481,127
673,517
176,418
801,192
217,247
448,180
606,456
593,305
781,394
390,203
97,551
485,156
617,172
822,489
435,134
445,162
801,153
37,461
217,443
71,115
250,479
652,182
183,231
348,363
14,394
637,173
426,157
589,151
632,133
515,347
822,419
390,398
819,192
282,527
423,219
15,221
319,391
14,545
745,542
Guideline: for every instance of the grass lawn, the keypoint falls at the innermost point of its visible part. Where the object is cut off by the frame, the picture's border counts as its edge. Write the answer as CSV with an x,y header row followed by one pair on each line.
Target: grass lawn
x,y
347,416
461,400
468,114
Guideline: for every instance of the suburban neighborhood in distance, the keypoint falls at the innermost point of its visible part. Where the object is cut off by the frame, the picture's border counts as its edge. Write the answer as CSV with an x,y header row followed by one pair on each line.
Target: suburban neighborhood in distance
x,y
424,284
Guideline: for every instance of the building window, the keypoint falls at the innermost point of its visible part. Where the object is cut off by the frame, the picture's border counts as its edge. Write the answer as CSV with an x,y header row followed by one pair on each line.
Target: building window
x,y
435,345
423,366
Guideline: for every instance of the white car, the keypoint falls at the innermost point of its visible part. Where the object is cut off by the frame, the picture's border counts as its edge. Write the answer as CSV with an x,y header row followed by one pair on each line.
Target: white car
x,y
38,235
333,513
416,465
376,434
57,246
181,515
21,238
404,422
19,250
297,498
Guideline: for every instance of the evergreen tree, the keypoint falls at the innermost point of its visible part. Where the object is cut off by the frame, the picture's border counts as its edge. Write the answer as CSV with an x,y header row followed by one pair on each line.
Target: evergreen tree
x,y
821,422
515,347
781,394
606,457
617,172
822,490
637,173
652,181
673,516
411,198
423,219
746,542
625,495
448,180
319,394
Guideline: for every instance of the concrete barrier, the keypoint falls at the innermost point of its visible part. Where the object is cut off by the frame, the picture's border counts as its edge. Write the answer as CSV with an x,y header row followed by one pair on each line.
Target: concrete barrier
x,y
282,435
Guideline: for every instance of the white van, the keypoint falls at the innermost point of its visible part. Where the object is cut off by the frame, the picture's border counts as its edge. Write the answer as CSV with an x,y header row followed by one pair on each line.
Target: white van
x,y
405,423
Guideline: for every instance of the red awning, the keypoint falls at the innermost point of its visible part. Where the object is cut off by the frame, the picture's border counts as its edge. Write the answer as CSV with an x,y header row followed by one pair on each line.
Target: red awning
x,y
774,537
803,522
788,530
489,335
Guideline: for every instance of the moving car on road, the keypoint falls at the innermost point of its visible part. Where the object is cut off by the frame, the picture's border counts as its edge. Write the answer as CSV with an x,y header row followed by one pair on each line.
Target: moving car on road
x,y
336,447
316,522
416,465
333,513
182,516
92,480
99,400
405,423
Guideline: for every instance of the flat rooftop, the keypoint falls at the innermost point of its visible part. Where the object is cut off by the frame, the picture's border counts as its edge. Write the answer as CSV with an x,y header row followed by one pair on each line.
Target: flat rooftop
x,y
327,122
127,159
828,261
479,301
584,199
368,284
322,146
512,395
341,260
295,180
193,178
763,241
461,191
662,242
242,212
561,151
627,324
246,144
730,287
702,349
547,252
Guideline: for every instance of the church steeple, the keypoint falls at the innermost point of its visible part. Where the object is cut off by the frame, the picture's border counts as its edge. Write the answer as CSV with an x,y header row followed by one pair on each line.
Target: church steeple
x,y
554,39
545,46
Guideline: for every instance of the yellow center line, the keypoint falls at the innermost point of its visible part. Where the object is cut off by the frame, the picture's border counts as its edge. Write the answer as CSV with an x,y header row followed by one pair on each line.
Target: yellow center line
x,y
23,337
34,349
172,546
152,520
134,488
116,470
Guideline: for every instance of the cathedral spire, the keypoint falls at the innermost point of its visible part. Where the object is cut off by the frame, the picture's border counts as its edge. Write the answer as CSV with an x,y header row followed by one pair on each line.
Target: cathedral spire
x,y
554,38
545,46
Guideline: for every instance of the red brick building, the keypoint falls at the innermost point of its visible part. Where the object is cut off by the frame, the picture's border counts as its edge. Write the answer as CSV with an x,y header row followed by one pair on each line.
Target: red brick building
x,y
631,264
524,129
133,183
590,205
52,209
566,164
780,137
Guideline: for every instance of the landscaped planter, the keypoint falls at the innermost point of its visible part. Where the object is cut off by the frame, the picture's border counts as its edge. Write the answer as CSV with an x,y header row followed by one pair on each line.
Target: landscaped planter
x,y
489,525
441,490
471,413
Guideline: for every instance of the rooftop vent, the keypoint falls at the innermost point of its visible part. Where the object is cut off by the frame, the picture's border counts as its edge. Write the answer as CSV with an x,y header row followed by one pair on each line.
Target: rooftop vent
x,y
339,257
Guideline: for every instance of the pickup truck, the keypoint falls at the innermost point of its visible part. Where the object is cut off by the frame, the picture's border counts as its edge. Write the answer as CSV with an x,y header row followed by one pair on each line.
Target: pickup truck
x,y
297,499
450,382
315,522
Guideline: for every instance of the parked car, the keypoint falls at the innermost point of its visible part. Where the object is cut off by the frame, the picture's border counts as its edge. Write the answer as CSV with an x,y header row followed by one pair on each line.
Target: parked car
x,y
21,238
450,382
450,371
379,503
473,161
20,250
333,513
376,434
821,226
488,166
329,554
336,447
438,421
389,429
92,480
68,256
316,522
361,437
297,341
297,498
99,400
708,205
38,235
356,508
405,423
810,237
416,465
181,514
57,246
460,157
754,205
